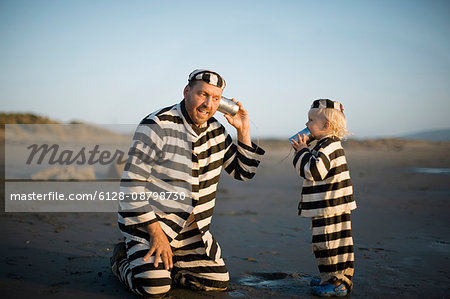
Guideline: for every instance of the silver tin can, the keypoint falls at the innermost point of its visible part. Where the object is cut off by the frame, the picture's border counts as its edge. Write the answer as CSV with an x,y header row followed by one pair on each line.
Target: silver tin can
x,y
304,131
228,106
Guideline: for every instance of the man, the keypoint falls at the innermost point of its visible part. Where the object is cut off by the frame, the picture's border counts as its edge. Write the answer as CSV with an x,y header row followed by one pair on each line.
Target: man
x,y
169,186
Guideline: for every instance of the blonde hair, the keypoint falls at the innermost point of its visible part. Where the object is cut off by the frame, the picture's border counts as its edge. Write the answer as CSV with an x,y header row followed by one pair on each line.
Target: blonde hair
x,y
334,116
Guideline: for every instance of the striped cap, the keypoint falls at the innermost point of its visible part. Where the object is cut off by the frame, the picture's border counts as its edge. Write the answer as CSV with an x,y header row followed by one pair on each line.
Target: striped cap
x,y
208,76
326,103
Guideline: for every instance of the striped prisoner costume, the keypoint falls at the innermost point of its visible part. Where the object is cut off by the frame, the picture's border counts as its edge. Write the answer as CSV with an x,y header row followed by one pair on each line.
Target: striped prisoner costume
x,y
327,197
169,154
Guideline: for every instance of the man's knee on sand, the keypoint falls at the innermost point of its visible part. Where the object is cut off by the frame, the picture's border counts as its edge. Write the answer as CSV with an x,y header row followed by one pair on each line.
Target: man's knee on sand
x,y
145,284
150,286
210,281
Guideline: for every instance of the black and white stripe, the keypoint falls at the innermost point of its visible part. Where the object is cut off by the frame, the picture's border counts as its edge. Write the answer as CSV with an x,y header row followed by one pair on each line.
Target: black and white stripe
x,y
327,189
326,103
327,197
192,267
168,155
208,76
333,247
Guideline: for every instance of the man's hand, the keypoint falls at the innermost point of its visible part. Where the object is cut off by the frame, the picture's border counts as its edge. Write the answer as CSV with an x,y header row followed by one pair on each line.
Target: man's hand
x,y
301,144
159,245
241,122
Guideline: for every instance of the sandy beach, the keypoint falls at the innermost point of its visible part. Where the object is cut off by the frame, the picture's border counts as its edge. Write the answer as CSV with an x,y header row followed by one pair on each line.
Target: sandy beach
x,y
401,231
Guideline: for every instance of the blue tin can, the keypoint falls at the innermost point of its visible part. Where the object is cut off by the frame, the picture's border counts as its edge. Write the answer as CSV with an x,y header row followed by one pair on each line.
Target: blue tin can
x,y
304,131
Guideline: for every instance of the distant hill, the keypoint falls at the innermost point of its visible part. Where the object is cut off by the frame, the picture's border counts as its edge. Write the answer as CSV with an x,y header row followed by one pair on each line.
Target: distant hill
x,y
24,129
24,118
431,135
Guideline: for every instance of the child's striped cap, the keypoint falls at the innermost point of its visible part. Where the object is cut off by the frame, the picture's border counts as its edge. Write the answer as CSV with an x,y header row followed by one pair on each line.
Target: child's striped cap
x,y
326,103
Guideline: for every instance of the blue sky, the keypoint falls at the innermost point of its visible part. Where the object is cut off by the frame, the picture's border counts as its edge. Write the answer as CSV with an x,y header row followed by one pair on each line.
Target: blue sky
x,y
113,62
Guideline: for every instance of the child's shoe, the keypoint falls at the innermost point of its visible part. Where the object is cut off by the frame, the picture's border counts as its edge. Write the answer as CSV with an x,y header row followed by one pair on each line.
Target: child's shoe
x,y
315,282
330,290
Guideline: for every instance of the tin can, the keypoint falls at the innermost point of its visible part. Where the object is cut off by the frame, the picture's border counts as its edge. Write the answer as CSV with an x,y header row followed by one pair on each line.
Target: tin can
x,y
304,131
228,106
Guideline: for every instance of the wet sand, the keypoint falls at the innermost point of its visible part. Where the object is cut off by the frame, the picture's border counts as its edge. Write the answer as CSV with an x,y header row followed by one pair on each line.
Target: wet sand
x,y
401,232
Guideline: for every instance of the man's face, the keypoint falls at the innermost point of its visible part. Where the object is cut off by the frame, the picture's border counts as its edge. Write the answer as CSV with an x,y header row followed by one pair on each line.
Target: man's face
x,y
202,101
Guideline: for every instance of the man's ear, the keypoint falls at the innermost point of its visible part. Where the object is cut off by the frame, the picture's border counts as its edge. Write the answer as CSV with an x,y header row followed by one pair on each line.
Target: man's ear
x,y
326,125
185,91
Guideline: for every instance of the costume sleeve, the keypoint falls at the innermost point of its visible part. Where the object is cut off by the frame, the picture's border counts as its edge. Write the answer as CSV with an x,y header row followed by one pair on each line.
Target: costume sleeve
x,y
314,167
145,148
241,160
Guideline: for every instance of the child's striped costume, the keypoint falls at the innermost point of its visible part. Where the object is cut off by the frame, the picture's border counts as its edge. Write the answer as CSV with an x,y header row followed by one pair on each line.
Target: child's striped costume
x,y
327,197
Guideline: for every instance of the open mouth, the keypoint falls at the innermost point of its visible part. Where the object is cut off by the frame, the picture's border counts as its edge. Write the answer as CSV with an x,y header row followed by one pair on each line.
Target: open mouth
x,y
203,112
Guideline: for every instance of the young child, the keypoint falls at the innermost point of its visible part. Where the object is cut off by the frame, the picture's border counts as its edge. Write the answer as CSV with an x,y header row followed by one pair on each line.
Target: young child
x,y
327,197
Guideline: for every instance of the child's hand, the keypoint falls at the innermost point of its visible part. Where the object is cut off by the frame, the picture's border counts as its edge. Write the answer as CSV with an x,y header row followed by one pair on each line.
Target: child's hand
x,y
301,144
